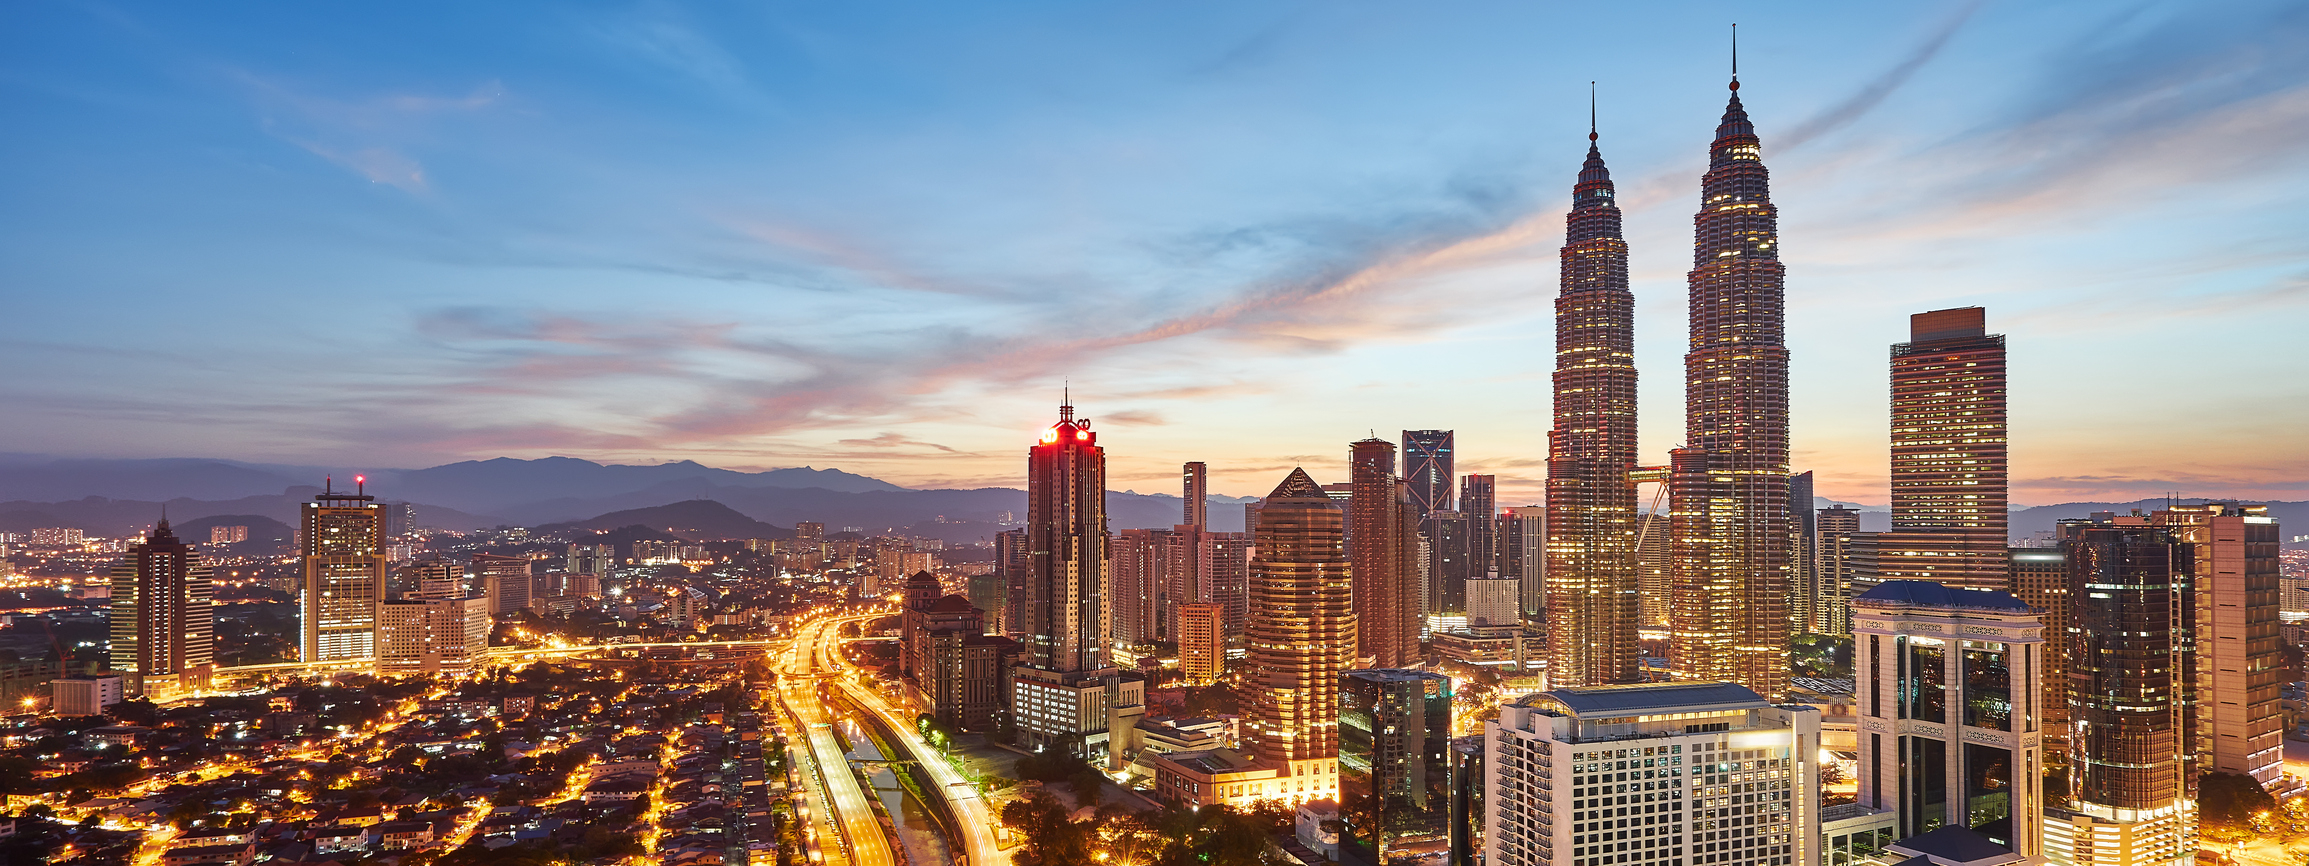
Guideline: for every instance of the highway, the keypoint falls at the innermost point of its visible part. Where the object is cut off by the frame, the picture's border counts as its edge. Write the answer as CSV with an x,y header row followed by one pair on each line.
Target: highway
x,y
843,812
970,809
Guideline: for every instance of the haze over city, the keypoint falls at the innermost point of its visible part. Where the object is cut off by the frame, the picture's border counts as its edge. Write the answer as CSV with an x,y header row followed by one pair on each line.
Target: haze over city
x,y
884,239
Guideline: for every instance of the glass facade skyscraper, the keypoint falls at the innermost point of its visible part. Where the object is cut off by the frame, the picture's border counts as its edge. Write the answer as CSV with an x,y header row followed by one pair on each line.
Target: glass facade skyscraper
x,y
1394,759
1427,467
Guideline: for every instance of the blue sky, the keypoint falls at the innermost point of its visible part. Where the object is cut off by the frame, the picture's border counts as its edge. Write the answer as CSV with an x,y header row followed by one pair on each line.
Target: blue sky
x,y
880,236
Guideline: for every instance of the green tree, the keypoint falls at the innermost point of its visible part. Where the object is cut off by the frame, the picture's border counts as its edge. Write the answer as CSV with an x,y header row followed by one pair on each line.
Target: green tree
x,y
2228,801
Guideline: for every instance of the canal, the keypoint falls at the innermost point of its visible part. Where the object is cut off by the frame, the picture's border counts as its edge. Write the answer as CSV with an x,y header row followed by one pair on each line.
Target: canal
x,y
918,833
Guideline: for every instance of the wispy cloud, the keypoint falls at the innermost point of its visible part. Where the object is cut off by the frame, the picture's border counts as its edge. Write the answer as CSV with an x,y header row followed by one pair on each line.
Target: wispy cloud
x,y
369,135
1872,94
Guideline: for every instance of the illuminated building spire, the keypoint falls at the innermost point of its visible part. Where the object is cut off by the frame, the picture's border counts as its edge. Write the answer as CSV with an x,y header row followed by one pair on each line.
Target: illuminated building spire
x,y
1591,567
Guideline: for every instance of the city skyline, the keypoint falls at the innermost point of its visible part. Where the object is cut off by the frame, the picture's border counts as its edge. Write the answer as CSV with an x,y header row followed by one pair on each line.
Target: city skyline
x,y
474,302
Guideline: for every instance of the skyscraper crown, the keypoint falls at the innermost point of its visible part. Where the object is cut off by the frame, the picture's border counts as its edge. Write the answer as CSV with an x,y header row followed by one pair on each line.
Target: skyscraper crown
x,y
1735,136
1299,486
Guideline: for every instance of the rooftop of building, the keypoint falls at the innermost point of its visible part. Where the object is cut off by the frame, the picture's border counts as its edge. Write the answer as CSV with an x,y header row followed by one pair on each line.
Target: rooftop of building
x,y
953,604
1925,593
1210,761
1394,675
1955,846
1647,697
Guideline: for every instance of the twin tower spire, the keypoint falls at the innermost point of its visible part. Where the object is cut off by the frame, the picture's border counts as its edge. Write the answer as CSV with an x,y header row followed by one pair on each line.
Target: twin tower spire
x,y
1724,543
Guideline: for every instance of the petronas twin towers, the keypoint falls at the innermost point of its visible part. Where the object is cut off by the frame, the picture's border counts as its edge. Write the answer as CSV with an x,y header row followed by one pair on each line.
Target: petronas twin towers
x,y
1727,485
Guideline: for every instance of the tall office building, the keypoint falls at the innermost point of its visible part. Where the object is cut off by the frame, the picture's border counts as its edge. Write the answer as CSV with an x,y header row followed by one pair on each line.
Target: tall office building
x,y
1592,604
593,559
1227,570
1202,642
343,545
1427,468
1135,566
1804,549
1394,761
1728,485
1383,547
1834,529
1450,561
507,581
2040,580
1948,453
988,596
1302,636
1949,711
1011,561
2132,768
1523,555
439,628
163,616
2240,652
1196,483
1065,547
1652,775
1479,501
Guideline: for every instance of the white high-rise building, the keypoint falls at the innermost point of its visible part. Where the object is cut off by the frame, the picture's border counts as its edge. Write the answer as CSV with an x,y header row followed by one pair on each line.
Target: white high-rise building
x,y
1667,774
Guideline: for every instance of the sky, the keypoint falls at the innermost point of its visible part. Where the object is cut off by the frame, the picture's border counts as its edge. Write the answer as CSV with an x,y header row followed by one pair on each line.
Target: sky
x,y
884,237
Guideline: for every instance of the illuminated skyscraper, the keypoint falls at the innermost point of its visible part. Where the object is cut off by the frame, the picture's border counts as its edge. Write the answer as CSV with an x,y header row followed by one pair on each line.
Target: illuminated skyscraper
x,y
1591,500
1066,548
1948,453
1385,550
1196,483
1728,485
343,545
1427,468
1302,636
163,619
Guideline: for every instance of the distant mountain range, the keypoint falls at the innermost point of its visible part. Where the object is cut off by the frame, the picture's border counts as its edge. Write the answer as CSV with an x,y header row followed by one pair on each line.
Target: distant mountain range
x,y
121,497
117,497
